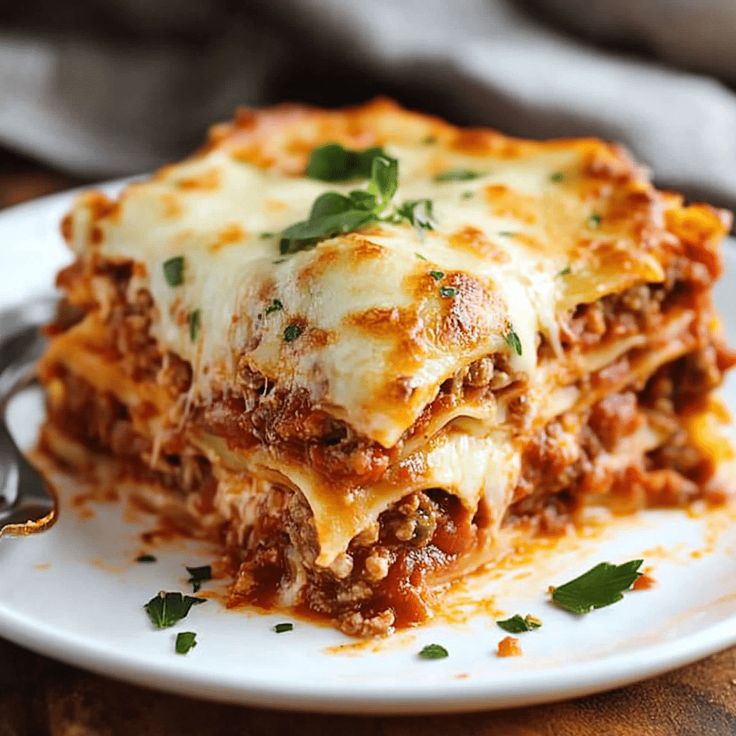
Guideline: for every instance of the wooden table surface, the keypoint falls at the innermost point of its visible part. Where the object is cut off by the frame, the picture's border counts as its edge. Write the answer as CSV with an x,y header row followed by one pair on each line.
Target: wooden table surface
x,y
41,696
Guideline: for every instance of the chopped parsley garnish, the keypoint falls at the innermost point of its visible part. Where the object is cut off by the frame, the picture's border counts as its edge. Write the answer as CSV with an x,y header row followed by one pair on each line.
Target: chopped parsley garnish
x,y
467,195
185,640
601,586
145,558
448,292
333,162
565,271
420,256
457,175
558,176
265,236
274,306
166,609
195,322
333,213
506,233
417,212
594,221
281,628
513,340
199,575
292,332
434,651
437,275
174,271
518,624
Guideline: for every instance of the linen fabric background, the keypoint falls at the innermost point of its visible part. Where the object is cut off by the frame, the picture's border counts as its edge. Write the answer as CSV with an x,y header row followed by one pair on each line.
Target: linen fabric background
x,y
108,87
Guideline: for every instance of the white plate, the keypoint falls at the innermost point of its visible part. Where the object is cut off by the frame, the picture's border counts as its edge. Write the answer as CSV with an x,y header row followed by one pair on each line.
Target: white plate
x,y
73,592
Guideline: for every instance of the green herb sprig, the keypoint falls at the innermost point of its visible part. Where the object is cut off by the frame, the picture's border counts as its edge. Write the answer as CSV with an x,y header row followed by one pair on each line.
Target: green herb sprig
x,y
513,340
166,609
174,271
433,651
333,213
518,624
199,575
600,586
185,640
333,162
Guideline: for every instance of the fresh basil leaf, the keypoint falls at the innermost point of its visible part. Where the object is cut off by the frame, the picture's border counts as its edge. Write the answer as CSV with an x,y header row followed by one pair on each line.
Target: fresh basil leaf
x,y
166,609
418,212
363,200
594,221
518,624
185,640
329,203
458,174
448,292
305,234
513,340
145,558
333,162
281,628
601,586
434,651
199,575
437,275
384,179
174,271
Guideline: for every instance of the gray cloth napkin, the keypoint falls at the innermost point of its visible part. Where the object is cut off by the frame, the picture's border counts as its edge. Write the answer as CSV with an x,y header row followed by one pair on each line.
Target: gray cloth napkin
x,y
115,87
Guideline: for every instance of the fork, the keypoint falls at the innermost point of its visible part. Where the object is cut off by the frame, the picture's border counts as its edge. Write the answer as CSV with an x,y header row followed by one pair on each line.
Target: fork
x,y
26,505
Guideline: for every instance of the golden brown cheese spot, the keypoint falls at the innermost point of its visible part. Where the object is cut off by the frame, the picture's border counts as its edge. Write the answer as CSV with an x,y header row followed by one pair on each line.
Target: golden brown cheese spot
x,y
98,205
462,315
365,250
275,205
207,181
400,325
476,242
385,321
480,141
326,256
229,235
610,162
506,202
171,206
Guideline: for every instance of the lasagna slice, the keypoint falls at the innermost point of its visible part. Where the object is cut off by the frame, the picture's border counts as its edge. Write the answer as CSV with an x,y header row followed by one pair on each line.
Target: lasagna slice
x,y
360,344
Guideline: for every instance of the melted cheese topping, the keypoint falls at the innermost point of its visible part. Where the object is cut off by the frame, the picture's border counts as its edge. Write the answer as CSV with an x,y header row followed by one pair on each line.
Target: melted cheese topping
x,y
379,338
